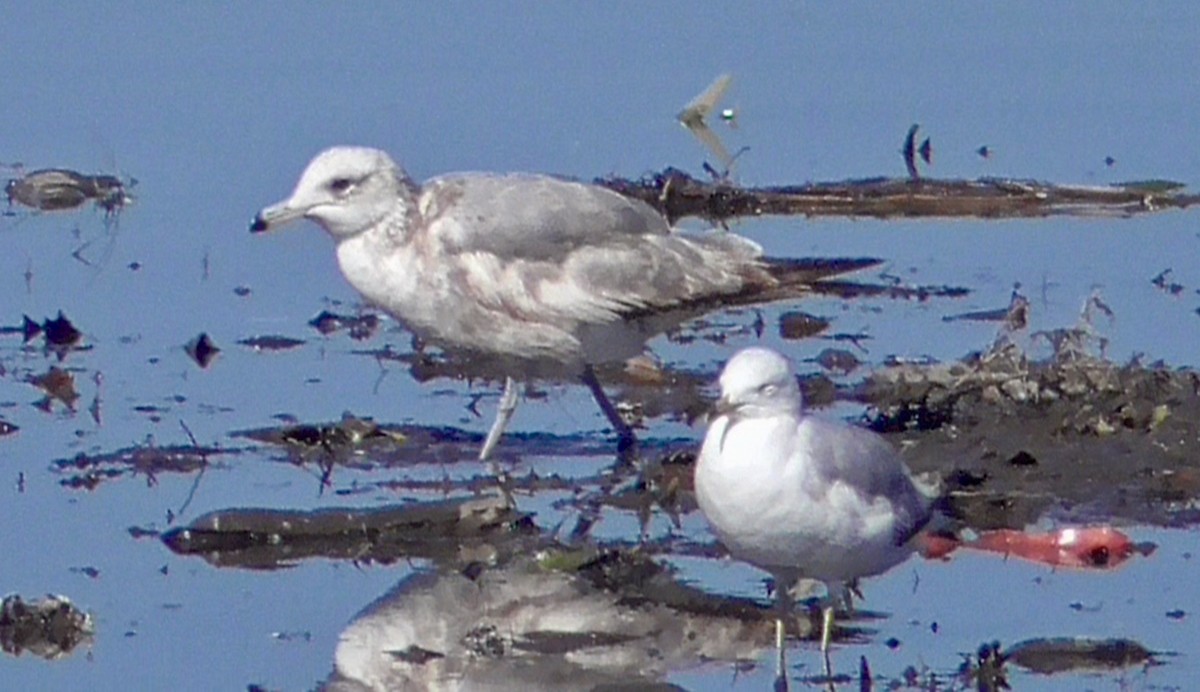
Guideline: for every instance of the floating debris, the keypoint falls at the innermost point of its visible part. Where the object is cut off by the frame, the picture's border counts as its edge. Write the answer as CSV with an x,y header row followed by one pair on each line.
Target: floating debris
x,y
60,333
837,360
677,195
1086,547
202,349
360,326
87,471
1162,282
351,431
1015,317
333,444
273,342
796,325
50,627
1156,185
59,385
986,671
29,328
995,315
271,538
60,189
1071,654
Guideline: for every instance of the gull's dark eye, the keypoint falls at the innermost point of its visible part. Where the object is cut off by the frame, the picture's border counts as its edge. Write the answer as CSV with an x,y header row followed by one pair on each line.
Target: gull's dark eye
x,y
340,185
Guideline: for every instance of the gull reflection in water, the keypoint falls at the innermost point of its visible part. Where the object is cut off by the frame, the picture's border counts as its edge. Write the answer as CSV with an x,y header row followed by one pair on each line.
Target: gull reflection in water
x,y
525,627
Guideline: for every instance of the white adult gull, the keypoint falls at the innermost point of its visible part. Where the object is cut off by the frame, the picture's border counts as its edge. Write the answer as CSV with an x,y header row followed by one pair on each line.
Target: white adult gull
x,y
534,275
801,496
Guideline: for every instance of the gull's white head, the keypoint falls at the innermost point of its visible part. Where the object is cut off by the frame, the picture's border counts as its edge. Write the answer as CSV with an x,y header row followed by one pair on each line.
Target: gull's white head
x,y
345,190
758,382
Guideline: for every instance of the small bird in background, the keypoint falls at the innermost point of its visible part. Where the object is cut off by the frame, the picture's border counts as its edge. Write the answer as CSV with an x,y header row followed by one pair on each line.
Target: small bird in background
x,y
694,117
911,150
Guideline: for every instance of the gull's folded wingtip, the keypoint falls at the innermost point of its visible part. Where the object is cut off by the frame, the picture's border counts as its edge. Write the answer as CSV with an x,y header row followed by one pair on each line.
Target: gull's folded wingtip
x,y
810,269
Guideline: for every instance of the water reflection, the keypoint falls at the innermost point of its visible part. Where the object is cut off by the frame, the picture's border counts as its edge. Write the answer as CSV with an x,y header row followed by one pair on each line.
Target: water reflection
x,y
525,626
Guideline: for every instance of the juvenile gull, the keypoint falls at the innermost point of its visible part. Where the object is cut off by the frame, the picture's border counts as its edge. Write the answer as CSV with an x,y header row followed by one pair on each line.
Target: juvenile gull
x,y
801,496
537,276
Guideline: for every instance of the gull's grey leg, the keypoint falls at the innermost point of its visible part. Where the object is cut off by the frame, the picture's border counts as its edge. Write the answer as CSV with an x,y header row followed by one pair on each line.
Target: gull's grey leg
x,y
624,432
504,413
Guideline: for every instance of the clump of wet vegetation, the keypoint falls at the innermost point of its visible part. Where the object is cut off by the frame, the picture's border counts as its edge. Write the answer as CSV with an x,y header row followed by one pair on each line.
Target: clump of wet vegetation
x,y
1081,437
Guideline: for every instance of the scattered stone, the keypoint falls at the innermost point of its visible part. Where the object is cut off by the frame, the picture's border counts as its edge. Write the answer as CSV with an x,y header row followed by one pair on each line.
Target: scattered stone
x,y
202,350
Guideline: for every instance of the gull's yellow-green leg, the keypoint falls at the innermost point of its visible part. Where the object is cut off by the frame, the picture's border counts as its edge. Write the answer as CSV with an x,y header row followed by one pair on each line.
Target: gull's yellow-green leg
x,y
826,632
